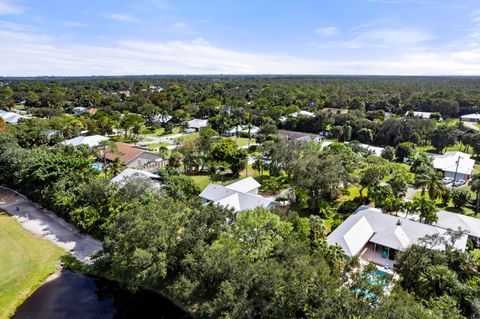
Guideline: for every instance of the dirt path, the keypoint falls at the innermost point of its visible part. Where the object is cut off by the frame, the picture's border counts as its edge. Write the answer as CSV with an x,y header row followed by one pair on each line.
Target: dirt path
x,y
41,222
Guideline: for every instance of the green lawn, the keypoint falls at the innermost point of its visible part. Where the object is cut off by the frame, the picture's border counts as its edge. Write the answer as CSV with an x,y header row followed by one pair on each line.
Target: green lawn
x,y
187,137
25,262
202,180
242,141
155,146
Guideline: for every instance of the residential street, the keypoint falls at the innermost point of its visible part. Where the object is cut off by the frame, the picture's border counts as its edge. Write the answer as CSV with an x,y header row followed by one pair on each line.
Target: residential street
x,y
46,224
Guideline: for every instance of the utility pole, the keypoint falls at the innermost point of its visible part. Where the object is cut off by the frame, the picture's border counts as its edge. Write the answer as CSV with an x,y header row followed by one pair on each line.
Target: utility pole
x,y
456,170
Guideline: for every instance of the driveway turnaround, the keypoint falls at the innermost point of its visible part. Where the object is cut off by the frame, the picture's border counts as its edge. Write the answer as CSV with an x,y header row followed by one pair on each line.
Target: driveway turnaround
x,y
43,223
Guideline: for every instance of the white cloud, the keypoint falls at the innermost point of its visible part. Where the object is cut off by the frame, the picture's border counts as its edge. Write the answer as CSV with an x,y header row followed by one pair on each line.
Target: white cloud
x,y
399,38
327,31
122,17
26,53
7,8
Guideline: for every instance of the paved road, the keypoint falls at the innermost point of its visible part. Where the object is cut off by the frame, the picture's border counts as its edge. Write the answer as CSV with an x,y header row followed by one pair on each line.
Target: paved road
x,y
471,125
46,224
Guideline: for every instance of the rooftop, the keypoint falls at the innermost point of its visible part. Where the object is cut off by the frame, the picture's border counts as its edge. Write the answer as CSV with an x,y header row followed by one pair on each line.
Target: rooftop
x,y
91,141
371,225
448,162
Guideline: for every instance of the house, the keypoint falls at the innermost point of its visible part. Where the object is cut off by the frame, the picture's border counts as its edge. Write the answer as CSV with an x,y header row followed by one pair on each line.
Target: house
x,y
470,118
130,173
469,225
79,110
377,237
197,124
420,115
90,141
254,130
239,196
134,157
454,164
164,119
375,150
10,117
299,136
301,113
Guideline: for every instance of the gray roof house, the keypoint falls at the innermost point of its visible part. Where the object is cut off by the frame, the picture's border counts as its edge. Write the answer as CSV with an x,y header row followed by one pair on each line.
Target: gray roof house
x,y
239,196
376,237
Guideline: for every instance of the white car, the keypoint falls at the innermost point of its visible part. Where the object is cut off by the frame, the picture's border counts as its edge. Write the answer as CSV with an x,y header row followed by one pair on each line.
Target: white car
x,y
447,180
459,182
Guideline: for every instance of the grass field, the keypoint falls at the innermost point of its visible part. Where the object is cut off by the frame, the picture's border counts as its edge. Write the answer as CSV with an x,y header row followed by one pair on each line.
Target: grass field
x,y
25,262
202,180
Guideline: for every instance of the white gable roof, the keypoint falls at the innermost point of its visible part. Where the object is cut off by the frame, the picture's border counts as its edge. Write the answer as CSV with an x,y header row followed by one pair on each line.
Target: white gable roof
x,y
383,229
358,234
128,173
455,221
475,116
422,115
197,123
448,162
244,185
10,117
303,113
236,200
91,141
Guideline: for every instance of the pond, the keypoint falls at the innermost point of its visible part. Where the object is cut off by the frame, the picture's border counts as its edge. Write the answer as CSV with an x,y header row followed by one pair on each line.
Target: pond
x,y
77,296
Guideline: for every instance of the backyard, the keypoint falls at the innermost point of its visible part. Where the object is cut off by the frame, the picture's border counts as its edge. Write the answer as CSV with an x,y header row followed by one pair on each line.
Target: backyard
x,y
26,261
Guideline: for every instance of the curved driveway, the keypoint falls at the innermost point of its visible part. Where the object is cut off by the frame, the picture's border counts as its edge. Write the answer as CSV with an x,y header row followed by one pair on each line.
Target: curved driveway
x,y
46,224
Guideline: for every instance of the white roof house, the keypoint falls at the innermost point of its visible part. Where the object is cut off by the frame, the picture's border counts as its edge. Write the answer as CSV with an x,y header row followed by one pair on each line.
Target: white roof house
x,y
162,118
454,221
129,173
91,141
242,129
447,162
370,225
303,113
197,124
421,115
246,185
239,196
10,117
470,117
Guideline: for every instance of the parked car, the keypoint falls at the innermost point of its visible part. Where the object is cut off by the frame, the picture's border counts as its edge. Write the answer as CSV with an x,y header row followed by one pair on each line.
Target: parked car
x,y
459,182
447,180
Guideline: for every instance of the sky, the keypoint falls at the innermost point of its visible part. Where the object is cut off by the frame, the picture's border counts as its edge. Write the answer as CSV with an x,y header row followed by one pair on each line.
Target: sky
x,y
354,37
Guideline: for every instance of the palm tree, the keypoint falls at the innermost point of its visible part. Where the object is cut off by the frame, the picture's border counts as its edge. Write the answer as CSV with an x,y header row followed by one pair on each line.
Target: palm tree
x,y
427,209
475,187
431,181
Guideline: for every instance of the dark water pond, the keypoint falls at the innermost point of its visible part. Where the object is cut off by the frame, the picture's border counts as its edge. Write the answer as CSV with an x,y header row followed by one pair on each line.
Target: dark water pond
x,y
77,296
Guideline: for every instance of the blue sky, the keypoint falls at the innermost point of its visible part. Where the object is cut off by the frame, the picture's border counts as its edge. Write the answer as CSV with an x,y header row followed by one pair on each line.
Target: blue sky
x,y
100,37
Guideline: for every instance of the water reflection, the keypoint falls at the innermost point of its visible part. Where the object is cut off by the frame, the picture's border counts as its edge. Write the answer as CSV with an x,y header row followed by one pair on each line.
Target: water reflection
x,y
76,296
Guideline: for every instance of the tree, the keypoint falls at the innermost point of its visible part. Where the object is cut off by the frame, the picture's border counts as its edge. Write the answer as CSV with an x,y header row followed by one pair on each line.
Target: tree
x,y
365,135
337,132
399,185
130,121
226,151
388,153
459,197
431,181
475,187
444,136
427,209
347,133
371,177
404,150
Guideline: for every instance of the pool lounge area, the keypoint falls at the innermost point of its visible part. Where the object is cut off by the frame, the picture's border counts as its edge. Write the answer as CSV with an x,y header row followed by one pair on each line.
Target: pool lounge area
x,y
379,255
